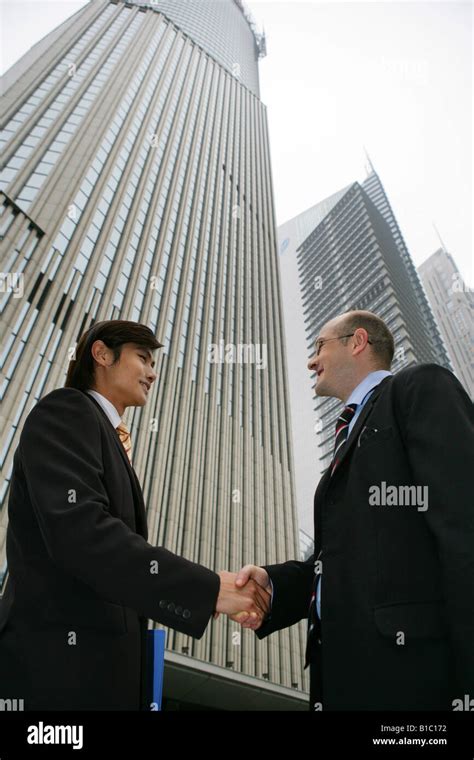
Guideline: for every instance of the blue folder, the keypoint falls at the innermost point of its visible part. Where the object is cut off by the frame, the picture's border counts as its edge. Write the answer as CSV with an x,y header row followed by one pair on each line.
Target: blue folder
x,y
156,664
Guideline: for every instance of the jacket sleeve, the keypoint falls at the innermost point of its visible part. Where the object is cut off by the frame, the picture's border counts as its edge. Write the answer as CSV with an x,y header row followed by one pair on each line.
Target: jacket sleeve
x,y
437,424
292,589
60,452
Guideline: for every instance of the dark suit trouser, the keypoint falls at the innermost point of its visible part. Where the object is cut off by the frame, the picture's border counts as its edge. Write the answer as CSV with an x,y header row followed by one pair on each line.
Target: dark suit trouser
x,y
314,656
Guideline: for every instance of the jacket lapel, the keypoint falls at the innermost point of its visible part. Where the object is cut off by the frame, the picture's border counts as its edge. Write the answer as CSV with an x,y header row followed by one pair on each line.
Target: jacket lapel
x,y
140,512
355,432
318,501
138,503
326,478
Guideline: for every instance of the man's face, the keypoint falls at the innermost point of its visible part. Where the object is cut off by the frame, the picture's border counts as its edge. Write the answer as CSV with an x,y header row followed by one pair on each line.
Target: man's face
x,y
333,364
128,381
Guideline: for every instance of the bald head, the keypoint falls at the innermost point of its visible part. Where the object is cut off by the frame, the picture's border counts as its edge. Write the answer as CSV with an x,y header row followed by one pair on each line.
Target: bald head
x,y
347,349
380,339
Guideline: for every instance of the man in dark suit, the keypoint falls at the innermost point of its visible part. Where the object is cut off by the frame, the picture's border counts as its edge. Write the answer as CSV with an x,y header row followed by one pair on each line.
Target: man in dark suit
x,y
82,578
389,591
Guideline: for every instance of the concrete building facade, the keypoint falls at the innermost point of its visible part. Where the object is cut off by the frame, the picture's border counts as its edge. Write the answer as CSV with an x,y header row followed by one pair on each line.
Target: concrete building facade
x,y
452,302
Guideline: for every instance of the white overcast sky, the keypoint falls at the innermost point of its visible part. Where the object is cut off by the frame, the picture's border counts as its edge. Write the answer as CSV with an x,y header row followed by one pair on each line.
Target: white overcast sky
x,y
395,77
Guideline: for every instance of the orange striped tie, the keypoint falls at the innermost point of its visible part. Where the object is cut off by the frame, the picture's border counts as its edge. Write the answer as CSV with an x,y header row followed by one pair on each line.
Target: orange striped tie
x,y
125,440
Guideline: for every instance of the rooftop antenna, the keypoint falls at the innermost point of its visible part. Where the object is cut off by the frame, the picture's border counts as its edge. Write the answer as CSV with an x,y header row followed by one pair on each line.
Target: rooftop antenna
x,y
443,247
369,168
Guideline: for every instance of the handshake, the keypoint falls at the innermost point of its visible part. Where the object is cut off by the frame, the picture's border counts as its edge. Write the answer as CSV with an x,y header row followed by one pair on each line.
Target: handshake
x,y
245,596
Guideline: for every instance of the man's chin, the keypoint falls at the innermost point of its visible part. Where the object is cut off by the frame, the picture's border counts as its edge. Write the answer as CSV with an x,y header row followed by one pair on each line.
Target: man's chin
x,y
138,401
320,390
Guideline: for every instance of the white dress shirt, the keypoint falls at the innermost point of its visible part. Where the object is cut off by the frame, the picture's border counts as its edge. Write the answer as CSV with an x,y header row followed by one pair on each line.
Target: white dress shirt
x,y
108,407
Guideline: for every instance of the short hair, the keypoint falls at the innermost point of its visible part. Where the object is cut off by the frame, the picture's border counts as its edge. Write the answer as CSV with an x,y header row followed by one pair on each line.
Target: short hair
x,y
114,333
381,339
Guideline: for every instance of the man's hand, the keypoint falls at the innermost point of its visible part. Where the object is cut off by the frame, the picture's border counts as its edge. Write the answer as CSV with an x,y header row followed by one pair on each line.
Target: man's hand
x,y
249,574
249,604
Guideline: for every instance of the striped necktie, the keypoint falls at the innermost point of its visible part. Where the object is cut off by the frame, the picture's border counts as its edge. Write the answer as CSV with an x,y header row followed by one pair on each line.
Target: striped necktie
x,y
342,429
125,440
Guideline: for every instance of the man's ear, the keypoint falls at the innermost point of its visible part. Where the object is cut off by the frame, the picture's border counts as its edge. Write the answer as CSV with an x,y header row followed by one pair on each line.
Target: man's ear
x,y
361,338
100,353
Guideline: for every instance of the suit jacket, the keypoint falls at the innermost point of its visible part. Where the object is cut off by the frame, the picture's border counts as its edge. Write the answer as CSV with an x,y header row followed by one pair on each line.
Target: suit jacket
x,y
397,594
82,578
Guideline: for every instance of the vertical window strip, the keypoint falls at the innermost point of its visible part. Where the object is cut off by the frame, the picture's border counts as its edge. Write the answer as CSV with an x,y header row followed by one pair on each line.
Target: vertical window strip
x,y
43,89
72,124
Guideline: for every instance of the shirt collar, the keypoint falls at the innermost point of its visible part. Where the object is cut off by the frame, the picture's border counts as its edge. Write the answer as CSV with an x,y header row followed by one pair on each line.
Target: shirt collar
x,y
107,406
369,382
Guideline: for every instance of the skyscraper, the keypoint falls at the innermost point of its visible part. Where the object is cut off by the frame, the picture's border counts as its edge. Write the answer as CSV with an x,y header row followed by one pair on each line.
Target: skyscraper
x,y
137,185
347,252
452,302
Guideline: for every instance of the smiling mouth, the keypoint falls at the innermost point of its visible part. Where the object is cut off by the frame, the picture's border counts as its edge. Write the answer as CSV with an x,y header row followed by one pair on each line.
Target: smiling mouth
x,y
145,385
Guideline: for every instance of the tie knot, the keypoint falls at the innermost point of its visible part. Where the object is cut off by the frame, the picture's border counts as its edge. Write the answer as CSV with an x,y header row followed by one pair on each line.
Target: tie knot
x,y
125,440
346,415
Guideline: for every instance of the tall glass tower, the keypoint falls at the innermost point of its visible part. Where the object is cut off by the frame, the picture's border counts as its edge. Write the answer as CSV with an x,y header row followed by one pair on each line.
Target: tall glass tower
x,y
346,252
137,185
363,265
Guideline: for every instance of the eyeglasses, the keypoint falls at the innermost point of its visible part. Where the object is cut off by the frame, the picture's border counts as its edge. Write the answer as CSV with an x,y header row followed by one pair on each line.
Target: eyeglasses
x,y
321,341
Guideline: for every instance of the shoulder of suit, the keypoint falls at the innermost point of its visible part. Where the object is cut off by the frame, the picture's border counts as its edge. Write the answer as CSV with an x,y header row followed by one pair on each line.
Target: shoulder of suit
x,y
422,373
63,399
429,379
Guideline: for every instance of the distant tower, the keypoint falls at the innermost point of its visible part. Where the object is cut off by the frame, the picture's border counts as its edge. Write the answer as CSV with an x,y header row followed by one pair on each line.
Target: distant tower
x,y
452,302
347,252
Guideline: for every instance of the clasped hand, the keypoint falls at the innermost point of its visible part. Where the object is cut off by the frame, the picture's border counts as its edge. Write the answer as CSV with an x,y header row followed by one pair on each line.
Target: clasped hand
x,y
245,596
